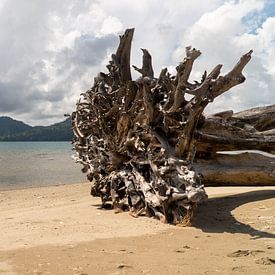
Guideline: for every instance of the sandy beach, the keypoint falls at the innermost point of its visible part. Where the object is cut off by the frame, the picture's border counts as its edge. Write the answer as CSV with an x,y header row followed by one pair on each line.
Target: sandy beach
x,y
61,230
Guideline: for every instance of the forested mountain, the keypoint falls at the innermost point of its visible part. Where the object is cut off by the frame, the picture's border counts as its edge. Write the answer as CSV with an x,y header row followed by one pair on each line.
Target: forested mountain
x,y
13,130
9,126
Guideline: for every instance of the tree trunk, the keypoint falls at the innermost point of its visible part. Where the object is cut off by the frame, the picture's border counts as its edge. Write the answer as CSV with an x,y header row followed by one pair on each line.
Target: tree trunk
x,y
246,169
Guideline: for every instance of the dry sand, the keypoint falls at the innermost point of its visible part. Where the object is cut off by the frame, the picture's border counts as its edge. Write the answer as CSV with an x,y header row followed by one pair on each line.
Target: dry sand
x,y
60,230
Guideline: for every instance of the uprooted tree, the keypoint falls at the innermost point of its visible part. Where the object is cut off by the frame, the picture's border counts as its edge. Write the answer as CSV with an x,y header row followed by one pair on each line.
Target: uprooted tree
x,y
138,139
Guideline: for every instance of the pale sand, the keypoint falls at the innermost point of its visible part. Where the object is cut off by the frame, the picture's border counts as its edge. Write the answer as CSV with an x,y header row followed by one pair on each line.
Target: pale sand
x,y
60,230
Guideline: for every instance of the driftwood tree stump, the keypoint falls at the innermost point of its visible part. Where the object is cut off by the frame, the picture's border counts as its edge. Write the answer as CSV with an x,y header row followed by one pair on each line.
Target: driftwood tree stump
x,y
137,139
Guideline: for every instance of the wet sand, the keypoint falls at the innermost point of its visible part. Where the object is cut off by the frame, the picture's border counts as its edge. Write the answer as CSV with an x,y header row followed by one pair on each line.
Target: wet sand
x,y
60,230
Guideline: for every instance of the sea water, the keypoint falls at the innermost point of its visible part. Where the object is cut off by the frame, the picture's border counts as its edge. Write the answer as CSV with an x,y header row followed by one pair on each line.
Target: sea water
x,y
33,164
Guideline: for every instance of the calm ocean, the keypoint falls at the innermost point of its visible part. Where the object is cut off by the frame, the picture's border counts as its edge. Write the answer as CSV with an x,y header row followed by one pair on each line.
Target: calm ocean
x,y
31,164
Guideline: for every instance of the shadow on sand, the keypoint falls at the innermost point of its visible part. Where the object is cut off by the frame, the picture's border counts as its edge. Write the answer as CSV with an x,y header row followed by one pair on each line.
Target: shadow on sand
x,y
215,216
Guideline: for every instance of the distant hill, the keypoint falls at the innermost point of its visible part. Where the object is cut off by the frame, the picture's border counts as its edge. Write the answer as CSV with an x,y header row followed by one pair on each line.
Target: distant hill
x,y
9,126
13,130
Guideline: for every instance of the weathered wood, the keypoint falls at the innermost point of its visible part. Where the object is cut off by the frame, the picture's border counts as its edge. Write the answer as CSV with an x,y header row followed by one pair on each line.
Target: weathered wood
x,y
123,54
137,140
240,131
261,118
246,169
147,67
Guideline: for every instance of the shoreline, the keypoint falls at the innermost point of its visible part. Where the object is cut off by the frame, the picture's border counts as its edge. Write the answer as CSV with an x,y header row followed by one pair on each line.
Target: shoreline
x,y
63,222
18,187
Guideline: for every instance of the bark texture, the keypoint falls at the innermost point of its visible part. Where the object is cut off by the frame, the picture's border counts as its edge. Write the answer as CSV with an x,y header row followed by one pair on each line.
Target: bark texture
x,y
137,140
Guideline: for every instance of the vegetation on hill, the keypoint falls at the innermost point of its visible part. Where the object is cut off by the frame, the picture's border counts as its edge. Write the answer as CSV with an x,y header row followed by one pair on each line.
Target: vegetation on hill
x,y
9,126
12,130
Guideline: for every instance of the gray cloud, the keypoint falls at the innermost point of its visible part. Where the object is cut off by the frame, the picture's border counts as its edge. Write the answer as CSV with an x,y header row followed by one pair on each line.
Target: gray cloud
x,y
10,95
90,51
43,58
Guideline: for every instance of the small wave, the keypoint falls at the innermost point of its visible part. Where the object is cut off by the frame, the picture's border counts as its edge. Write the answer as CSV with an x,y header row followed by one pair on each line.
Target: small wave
x,y
41,155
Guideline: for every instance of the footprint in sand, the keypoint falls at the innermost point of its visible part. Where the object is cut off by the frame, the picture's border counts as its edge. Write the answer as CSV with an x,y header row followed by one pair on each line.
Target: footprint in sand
x,y
265,261
243,253
182,249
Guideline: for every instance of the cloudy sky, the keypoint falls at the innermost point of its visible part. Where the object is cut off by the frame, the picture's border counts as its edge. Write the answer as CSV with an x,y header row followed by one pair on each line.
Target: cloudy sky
x,y
51,50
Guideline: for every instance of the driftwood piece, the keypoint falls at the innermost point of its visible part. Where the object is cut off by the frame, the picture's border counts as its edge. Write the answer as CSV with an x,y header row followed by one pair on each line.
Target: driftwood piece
x,y
252,129
137,140
238,169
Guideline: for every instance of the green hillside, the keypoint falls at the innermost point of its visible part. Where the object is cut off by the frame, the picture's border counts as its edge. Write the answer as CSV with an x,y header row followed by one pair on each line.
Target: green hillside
x,y
22,132
9,126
